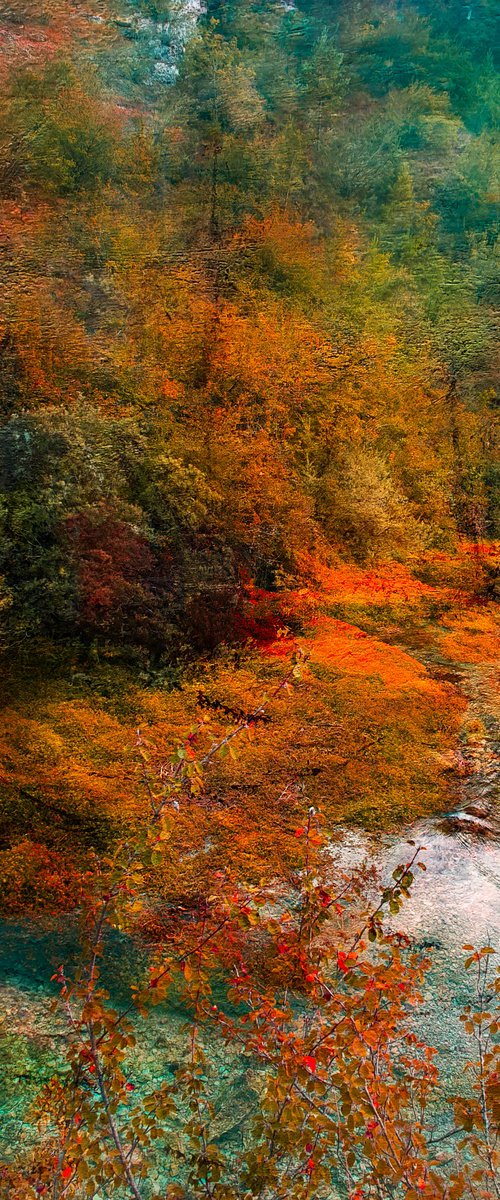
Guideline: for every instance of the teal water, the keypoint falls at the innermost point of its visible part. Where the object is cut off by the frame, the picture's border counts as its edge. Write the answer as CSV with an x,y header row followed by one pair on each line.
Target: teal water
x,y
32,1037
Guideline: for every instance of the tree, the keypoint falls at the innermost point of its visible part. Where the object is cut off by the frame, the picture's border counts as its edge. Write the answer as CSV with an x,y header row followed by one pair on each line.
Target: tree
x,y
61,132
223,110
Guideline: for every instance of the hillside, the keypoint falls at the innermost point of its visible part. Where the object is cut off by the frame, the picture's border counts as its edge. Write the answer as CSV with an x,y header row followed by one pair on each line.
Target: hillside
x,y
249,586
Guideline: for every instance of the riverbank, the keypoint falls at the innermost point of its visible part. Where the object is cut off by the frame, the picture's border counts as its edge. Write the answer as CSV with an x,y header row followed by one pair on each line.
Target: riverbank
x,y
369,734
365,724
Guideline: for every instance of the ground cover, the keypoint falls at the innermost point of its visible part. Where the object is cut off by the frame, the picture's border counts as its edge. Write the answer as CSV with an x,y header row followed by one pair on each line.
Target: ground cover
x,y
368,734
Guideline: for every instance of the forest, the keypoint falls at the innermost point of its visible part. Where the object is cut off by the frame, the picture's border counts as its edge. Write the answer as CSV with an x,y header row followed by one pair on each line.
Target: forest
x,y
249,588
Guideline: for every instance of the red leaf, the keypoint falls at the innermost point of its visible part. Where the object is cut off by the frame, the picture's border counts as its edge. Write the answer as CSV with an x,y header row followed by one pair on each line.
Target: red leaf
x,y
309,1062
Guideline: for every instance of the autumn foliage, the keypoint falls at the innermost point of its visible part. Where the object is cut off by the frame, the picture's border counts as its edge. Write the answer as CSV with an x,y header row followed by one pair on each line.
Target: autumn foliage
x,y
248,372
346,1093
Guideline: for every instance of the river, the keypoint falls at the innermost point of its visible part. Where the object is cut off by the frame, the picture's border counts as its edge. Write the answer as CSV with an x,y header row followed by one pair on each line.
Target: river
x,y
457,900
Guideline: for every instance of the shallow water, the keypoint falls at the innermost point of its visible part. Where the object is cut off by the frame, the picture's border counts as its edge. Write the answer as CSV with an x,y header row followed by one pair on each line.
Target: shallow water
x,y
457,899
32,1038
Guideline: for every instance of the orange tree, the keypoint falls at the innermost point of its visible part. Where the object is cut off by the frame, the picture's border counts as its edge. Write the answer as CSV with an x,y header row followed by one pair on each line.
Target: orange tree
x,y
310,987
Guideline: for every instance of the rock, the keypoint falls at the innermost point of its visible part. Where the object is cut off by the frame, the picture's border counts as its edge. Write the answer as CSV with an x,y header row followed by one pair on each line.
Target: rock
x,y
477,810
453,760
463,823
